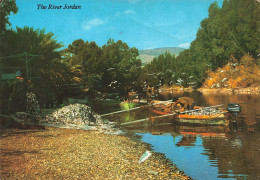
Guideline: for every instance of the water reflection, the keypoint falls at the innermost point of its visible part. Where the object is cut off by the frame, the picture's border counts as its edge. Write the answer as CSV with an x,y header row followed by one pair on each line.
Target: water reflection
x,y
206,152
220,152
209,152
238,153
250,104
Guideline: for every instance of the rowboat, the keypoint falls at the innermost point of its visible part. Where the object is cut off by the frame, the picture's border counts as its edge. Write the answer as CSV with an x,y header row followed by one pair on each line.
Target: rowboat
x,y
200,115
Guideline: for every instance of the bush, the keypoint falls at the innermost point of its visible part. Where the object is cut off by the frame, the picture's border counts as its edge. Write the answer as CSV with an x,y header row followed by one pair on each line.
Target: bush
x,y
234,75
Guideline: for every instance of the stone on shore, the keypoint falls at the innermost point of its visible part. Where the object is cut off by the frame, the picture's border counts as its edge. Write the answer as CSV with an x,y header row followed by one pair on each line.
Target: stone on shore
x,y
58,153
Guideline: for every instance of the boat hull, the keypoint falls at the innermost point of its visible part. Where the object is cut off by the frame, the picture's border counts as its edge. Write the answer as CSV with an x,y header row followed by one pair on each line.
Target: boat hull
x,y
213,119
216,119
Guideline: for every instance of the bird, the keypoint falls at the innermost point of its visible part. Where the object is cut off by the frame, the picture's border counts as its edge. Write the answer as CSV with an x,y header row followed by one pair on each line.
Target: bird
x,y
224,79
179,80
113,82
111,69
213,86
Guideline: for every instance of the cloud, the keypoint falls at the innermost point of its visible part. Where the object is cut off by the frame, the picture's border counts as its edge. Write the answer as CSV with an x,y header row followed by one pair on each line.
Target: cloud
x,y
92,23
184,45
127,12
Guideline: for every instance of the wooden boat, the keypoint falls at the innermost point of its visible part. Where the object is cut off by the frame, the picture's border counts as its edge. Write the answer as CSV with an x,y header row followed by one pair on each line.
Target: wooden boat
x,y
215,117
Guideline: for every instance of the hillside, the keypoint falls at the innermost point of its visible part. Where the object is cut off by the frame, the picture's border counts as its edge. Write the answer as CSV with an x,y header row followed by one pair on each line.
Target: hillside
x,y
235,75
147,55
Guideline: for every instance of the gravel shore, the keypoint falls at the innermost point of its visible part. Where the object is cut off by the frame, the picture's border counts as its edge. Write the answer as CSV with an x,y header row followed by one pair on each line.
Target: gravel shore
x,y
59,153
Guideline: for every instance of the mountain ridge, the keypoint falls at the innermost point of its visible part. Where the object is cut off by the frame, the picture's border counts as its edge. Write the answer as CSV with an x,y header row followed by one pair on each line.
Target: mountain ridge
x,y
147,55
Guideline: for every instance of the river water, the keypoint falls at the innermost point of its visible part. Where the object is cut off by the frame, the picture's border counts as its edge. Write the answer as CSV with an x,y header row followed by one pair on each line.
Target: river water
x,y
206,152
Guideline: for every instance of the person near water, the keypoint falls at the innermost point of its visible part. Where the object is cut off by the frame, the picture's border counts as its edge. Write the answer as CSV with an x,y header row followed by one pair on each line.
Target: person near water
x,y
183,103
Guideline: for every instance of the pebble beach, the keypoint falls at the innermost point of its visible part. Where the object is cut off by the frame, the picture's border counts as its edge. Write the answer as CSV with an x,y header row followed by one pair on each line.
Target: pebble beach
x,y
61,153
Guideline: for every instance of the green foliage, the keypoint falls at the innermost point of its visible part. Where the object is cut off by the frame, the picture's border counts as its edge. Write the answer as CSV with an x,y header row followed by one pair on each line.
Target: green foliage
x,y
229,31
6,7
36,42
32,41
168,70
127,105
5,93
46,65
112,68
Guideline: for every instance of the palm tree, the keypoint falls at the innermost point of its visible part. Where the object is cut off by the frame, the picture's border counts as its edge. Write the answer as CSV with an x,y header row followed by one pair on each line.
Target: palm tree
x,y
46,64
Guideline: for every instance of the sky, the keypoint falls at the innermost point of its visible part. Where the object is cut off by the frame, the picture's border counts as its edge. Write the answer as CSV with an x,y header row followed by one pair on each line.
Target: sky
x,y
144,24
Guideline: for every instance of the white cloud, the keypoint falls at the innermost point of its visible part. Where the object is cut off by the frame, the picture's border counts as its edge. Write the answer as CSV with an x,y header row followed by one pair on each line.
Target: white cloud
x,y
127,12
185,45
92,23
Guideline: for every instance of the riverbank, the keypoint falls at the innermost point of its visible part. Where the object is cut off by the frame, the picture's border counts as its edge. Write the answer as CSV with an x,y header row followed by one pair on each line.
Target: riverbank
x,y
61,153
249,90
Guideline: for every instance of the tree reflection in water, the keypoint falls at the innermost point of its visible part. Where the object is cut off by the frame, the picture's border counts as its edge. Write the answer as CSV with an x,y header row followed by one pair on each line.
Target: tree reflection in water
x,y
234,150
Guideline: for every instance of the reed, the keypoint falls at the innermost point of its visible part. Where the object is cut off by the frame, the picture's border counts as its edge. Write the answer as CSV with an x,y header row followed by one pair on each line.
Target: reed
x,y
125,105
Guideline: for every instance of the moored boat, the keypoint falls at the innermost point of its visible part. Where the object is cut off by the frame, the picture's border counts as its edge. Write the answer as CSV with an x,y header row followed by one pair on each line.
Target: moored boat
x,y
199,115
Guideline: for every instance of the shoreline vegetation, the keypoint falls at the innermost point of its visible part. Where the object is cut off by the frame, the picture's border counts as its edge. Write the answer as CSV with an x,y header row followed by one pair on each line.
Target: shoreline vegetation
x,y
224,54
254,89
76,154
223,57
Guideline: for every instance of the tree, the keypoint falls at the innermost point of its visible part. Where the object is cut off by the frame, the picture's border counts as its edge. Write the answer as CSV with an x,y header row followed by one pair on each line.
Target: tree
x,y
230,31
31,41
45,65
112,68
6,7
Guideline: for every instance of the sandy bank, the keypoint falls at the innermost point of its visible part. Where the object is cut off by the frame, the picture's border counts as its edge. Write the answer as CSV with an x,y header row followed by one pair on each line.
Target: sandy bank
x,y
249,90
57,153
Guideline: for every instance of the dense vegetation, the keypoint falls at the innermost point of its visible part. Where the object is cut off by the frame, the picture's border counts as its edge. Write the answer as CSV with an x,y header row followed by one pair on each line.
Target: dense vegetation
x,y
235,75
230,35
112,68
231,31
53,73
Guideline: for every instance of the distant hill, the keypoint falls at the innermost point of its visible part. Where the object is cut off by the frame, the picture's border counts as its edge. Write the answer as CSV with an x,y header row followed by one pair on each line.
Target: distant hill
x,y
147,55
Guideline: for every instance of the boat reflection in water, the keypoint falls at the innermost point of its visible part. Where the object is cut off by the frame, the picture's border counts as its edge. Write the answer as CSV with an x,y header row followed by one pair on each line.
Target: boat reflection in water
x,y
206,152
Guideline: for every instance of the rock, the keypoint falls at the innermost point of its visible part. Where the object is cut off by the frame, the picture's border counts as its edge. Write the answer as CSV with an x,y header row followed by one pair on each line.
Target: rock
x,y
75,114
26,117
14,122
7,121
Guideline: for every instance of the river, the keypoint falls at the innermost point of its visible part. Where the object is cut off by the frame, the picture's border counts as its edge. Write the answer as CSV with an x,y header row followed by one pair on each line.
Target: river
x,y
206,152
